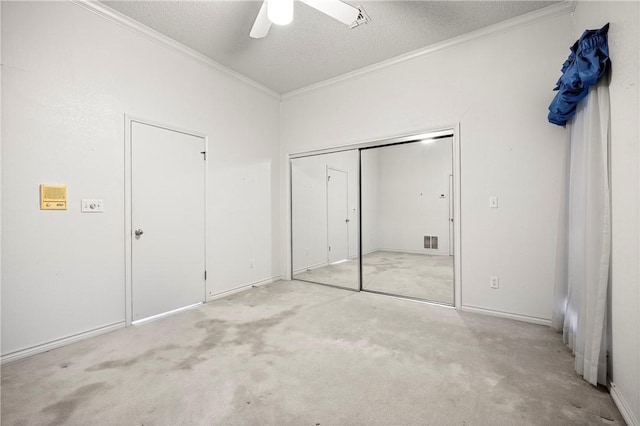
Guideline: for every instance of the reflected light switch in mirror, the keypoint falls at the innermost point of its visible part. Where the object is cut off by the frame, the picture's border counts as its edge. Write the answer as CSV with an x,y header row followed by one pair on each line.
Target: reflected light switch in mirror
x,y
493,202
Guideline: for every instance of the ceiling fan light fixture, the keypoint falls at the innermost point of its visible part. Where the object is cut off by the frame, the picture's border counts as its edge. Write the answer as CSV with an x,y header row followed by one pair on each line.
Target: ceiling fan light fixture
x,y
280,12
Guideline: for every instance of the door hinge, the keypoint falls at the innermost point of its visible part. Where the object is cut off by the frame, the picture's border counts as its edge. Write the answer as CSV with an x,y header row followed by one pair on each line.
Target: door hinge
x,y
204,153
329,248
205,275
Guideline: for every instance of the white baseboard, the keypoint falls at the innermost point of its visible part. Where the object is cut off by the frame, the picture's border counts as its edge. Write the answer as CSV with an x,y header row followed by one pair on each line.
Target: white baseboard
x,y
244,287
517,317
425,251
312,267
37,349
628,415
34,350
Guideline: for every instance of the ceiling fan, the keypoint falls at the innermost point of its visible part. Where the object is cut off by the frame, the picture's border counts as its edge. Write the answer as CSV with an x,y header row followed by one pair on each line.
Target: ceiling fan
x,y
280,12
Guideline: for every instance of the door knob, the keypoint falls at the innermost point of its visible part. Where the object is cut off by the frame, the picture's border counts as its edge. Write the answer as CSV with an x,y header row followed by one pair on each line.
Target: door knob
x,y
138,232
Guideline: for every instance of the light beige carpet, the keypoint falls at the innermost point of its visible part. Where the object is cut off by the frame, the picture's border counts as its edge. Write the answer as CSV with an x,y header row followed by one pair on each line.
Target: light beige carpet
x,y
293,353
341,274
420,276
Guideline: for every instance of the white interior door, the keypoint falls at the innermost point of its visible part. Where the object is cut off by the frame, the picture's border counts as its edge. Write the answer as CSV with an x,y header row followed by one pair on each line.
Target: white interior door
x,y
168,220
337,215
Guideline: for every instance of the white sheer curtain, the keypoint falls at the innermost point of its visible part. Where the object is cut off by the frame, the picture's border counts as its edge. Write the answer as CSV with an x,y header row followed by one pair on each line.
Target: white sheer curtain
x,y
584,244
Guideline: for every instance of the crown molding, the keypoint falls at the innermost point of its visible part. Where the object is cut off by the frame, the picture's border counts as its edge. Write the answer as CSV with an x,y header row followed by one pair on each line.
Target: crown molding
x,y
558,9
130,24
561,8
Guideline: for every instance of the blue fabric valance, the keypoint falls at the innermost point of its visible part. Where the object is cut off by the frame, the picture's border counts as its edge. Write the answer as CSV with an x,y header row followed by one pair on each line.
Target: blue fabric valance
x,y
587,62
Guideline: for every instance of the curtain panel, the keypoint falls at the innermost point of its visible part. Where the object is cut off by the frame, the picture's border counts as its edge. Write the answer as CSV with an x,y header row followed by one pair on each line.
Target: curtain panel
x,y
586,64
584,238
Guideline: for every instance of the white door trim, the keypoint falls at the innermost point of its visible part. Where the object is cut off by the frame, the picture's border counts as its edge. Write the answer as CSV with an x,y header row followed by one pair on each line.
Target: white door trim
x,y
457,219
128,229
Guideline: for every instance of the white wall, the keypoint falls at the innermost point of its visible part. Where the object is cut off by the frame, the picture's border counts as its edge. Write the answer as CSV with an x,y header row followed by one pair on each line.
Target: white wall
x,y
68,78
309,206
498,87
412,179
624,48
1,227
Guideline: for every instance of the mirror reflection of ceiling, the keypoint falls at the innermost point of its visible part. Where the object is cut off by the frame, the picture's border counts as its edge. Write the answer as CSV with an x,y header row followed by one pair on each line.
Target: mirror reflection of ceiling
x,y
315,47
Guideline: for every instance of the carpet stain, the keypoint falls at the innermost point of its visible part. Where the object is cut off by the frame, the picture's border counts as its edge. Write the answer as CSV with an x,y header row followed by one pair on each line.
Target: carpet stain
x,y
252,333
127,362
246,333
607,418
63,409
215,332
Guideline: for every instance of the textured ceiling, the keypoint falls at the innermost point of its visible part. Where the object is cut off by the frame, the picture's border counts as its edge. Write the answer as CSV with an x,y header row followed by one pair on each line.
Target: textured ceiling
x,y
315,47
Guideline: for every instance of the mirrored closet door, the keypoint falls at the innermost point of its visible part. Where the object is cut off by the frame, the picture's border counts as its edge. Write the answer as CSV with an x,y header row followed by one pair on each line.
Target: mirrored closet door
x,y
325,219
407,220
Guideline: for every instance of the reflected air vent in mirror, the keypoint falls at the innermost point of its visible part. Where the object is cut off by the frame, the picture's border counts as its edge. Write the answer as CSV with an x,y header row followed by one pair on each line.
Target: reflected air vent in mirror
x,y
431,242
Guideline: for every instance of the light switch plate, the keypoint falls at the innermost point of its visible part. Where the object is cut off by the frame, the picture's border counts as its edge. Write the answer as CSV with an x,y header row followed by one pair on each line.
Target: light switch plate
x,y
493,202
92,205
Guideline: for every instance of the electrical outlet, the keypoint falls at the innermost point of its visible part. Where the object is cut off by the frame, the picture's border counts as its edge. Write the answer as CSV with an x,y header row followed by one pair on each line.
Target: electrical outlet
x,y
494,282
250,263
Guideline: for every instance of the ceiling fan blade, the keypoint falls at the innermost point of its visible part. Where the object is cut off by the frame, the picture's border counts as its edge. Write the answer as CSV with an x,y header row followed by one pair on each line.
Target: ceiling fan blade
x,y
336,9
261,26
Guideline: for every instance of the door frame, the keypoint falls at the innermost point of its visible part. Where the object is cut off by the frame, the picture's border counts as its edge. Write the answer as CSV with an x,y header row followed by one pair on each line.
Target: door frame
x,y
327,190
128,228
451,129
451,213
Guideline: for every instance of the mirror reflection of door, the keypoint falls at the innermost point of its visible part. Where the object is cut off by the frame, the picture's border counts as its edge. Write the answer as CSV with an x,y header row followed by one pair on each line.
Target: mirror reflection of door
x,y
324,214
337,215
407,213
